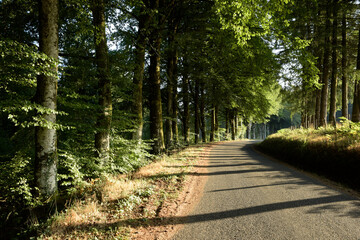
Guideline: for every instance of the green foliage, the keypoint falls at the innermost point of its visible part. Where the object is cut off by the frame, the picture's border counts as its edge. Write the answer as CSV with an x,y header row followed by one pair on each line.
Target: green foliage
x,y
248,19
127,155
16,187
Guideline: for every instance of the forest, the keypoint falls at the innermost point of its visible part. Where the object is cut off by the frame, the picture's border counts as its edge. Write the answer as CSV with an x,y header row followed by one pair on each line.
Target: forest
x,y
96,88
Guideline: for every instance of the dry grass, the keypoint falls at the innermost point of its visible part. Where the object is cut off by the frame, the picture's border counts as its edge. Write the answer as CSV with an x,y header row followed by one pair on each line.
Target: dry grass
x,y
124,197
344,136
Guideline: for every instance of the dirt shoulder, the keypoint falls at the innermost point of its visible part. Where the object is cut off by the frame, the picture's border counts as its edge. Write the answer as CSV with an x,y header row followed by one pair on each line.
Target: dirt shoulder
x,y
191,193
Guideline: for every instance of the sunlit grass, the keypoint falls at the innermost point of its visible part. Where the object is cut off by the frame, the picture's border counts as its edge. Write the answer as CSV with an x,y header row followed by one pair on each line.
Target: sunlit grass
x,y
137,195
345,135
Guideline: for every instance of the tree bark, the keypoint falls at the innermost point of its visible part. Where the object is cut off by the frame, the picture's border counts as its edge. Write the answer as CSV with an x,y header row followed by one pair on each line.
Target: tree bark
x,y
137,107
196,110
169,104
212,133
202,112
216,120
156,123
233,125
236,125
356,103
175,129
334,75
324,90
227,125
185,92
345,110
103,124
46,94
172,59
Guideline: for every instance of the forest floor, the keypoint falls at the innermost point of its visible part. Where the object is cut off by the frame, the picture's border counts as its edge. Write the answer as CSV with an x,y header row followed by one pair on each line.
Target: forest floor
x,y
141,205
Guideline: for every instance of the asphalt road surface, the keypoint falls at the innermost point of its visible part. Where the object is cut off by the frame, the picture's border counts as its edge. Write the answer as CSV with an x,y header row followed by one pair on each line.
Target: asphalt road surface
x,y
248,196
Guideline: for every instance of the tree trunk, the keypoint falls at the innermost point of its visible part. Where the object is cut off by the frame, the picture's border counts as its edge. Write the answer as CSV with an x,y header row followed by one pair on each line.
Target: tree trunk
x,y
196,110
332,114
317,51
356,104
175,129
324,90
137,107
232,123
185,92
249,130
236,124
345,110
355,116
216,120
169,104
227,125
156,123
46,94
103,124
212,133
202,113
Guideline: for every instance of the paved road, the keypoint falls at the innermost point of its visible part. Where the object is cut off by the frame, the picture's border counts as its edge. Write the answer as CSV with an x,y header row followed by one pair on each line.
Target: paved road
x,y
248,196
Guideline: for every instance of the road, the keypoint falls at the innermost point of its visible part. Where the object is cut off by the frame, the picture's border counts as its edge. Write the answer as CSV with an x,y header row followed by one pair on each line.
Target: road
x,y
249,196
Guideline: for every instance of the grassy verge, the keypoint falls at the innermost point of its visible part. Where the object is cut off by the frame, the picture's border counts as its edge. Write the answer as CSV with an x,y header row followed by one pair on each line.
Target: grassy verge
x,y
332,152
121,204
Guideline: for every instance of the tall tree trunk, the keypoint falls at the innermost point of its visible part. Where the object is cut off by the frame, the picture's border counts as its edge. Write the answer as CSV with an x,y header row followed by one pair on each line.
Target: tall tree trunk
x,y
46,94
324,90
332,114
196,110
169,104
137,107
185,93
212,133
249,130
345,110
174,125
202,112
236,125
227,125
355,116
156,123
216,120
233,125
103,124
175,129
318,53
356,105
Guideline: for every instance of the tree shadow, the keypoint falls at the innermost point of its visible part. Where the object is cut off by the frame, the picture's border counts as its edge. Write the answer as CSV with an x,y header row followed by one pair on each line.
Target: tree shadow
x,y
217,166
331,204
266,185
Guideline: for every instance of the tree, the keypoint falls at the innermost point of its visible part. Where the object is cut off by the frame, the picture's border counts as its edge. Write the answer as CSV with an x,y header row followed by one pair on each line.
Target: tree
x,y
46,94
103,124
334,58
156,123
141,40
356,103
344,101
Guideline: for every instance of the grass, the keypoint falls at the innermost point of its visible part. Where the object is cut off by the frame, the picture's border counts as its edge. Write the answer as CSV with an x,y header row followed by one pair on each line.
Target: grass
x,y
123,199
330,152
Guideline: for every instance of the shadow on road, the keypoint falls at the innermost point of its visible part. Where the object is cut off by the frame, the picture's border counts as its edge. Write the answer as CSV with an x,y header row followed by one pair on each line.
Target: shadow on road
x,y
158,221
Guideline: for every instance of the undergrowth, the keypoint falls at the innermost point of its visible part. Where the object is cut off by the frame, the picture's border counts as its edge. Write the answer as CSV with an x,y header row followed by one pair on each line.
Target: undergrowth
x,y
115,205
